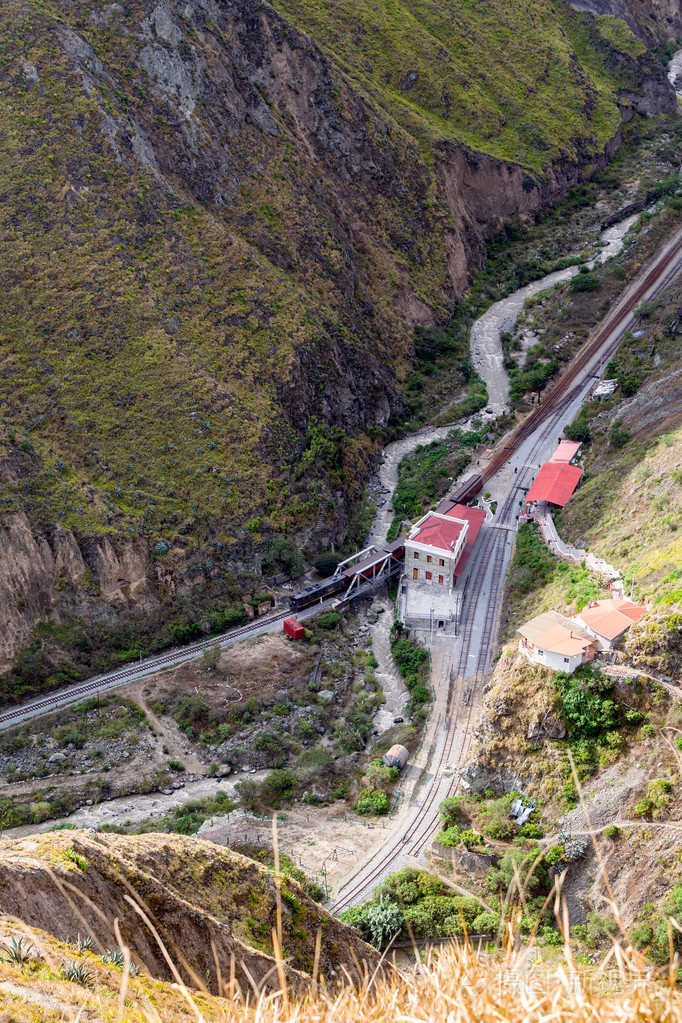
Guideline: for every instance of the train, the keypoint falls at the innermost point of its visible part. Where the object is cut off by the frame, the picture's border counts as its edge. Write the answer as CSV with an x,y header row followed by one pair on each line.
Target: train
x,y
467,489
339,583
318,592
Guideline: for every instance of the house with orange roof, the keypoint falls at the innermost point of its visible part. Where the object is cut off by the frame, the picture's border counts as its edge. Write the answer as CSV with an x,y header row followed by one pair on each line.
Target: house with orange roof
x,y
608,620
555,641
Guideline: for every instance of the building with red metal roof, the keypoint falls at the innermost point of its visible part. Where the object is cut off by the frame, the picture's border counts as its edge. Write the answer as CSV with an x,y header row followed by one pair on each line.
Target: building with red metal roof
x,y
439,545
554,484
566,451
475,517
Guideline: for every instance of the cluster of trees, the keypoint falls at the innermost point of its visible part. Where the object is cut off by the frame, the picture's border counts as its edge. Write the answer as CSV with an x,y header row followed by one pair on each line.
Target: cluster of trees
x,y
413,664
414,903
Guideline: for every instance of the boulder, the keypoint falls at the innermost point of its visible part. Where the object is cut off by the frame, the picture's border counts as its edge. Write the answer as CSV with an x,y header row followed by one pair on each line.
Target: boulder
x,y
57,758
223,771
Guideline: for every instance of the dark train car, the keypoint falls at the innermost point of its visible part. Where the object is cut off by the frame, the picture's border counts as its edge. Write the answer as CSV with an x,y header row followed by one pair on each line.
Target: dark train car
x,y
467,489
317,592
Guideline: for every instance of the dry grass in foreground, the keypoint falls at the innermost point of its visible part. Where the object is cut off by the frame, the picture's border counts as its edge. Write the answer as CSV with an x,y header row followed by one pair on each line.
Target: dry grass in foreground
x,y
459,983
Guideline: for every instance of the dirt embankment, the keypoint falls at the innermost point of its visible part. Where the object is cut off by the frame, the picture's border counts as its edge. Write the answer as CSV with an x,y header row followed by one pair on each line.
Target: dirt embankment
x,y
208,905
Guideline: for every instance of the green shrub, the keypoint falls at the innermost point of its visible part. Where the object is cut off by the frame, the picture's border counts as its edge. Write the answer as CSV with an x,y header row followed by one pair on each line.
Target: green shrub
x,y
486,922
75,858
372,803
618,437
585,282
613,832
329,620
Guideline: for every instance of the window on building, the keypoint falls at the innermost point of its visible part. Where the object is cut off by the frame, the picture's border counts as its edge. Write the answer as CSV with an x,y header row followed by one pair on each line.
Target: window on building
x,y
440,579
541,652
441,562
428,575
416,554
429,559
566,661
415,573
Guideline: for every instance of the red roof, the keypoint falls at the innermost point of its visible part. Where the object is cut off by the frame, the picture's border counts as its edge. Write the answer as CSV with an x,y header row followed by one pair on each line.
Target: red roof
x,y
555,483
437,531
611,618
567,450
559,640
475,517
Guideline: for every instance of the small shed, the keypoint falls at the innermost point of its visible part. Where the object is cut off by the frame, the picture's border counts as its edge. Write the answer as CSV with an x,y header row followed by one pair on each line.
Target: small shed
x,y
293,629
396,756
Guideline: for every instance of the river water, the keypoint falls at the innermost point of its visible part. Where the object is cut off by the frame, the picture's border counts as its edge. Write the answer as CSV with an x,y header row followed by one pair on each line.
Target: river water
x,y
675,72
486,346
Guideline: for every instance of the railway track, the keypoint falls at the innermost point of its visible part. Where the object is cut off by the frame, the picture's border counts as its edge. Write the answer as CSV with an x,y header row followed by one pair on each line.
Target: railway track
x,y
482,609
668,266
60,698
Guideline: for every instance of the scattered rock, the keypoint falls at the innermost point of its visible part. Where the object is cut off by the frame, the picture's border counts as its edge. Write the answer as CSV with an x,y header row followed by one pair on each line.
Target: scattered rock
x,y
326,695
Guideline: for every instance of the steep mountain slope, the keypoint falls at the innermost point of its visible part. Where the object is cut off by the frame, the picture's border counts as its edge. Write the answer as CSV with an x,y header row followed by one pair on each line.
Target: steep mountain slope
x,y
206,903
656,22
218,232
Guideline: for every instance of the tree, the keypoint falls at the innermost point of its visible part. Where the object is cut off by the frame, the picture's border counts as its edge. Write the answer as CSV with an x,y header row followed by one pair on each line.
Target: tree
x,y
210,659
326,564
585,282
283,554
578,430
385,919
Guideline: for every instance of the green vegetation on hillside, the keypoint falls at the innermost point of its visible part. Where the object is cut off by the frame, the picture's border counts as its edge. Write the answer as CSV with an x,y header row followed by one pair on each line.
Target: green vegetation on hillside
x,y
500,78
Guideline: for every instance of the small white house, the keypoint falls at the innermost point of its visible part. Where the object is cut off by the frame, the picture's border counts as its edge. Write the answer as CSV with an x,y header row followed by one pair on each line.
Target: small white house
x,y
557,642
433,549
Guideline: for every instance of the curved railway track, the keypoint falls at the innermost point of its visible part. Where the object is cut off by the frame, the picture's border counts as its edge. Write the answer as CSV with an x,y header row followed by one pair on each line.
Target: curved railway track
x,y
60,698
668,266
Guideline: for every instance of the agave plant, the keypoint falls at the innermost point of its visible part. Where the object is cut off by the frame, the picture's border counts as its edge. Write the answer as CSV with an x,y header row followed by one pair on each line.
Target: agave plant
x,y
78,973
84,944
113,956
18,952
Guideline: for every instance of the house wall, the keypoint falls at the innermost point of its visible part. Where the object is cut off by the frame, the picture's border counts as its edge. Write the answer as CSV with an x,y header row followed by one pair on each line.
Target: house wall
x,y
417,559
558,662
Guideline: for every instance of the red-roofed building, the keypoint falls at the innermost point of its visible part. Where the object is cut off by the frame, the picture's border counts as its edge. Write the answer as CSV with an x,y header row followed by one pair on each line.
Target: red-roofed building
x,y
438,546
475,517
433,549
566,451
557,642
607,620
554,484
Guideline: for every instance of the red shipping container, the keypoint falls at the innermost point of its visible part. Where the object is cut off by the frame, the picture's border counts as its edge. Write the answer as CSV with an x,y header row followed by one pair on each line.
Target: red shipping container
x,y
293,629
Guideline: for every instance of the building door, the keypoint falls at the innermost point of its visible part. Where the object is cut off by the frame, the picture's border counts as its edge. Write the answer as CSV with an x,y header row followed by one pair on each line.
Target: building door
x,y
415,573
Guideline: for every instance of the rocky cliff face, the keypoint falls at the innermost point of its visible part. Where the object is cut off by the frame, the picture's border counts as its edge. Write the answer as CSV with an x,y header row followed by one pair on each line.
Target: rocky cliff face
x,y
655,21
209,907
218,236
